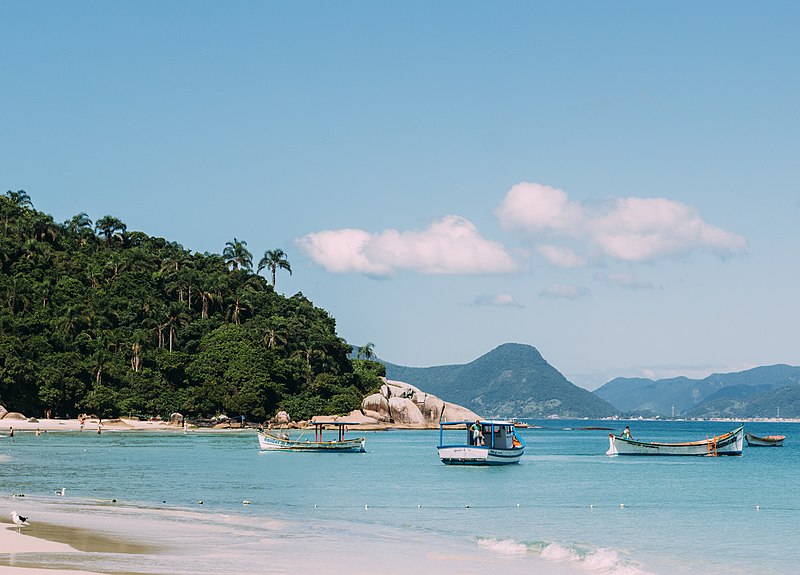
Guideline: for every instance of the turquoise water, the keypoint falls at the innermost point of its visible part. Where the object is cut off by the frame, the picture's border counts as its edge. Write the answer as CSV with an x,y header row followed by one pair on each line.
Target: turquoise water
x,y
566,508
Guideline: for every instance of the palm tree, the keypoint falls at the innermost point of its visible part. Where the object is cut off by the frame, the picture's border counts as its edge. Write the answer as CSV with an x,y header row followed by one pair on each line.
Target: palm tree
x,y
111,228
274,259
237,255
366,351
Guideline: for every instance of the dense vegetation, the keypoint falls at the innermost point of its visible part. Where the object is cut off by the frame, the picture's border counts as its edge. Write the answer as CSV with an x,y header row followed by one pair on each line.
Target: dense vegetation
x,y
513,380
99,319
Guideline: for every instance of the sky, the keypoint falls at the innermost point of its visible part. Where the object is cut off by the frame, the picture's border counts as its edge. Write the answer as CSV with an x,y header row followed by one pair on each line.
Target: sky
x,y
615,183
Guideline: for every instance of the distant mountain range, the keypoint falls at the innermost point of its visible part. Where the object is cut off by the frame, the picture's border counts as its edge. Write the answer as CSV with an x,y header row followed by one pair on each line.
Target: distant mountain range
x,y
768,391
513,380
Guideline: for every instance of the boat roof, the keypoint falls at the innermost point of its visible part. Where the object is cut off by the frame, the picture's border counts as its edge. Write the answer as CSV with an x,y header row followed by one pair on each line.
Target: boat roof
x,y
312,422
482,421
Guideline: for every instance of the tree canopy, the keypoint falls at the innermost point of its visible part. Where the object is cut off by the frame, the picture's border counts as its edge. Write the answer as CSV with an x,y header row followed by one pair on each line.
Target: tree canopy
x,y
109,321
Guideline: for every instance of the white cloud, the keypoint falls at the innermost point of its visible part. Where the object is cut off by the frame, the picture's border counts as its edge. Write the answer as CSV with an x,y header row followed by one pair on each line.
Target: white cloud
x,y
624,280
626,229
562,257
451,245
496,300
563,291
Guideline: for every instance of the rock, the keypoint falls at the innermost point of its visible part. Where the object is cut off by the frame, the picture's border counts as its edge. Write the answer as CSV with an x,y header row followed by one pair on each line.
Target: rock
x,y
379,417
3,412
282,418
403,410
356,416
14,415
176,419
376,403
33,420
432,408
453,412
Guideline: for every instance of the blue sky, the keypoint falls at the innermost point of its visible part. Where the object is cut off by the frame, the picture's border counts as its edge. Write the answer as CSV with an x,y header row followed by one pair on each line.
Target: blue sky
x,y
614,183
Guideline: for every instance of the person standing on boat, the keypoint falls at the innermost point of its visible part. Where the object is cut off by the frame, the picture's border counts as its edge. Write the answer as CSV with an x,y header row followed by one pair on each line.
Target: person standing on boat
x,y
627,433
477,433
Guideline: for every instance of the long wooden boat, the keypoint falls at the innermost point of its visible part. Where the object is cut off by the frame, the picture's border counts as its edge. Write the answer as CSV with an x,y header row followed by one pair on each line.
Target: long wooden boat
x,y
497,443
726,444
765,441
282,440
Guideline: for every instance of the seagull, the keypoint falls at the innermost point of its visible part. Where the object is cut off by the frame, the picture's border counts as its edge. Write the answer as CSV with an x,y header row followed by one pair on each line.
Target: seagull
x,y
18,520
61,491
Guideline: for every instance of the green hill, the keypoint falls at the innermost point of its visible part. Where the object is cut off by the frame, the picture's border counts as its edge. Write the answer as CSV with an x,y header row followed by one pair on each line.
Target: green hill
x,y
513,380
749,393
101,319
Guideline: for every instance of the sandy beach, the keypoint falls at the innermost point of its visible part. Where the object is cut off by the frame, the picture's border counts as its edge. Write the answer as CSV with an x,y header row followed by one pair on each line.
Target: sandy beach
x,y
92,425
16,546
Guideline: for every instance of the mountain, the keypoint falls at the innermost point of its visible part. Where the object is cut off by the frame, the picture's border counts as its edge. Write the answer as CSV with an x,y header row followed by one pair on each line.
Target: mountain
x,y
741,394
513,380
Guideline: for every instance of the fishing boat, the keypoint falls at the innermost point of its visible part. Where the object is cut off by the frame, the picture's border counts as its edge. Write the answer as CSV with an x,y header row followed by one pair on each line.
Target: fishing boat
x,y
490,442
271,440
765,441
726,444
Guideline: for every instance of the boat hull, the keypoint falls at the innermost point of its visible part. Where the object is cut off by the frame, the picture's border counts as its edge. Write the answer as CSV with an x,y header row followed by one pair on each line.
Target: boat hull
x,y
768,441
269,442
478,455
727,444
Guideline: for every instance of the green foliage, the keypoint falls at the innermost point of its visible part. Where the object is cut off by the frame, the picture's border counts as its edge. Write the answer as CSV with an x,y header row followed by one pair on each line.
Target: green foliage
x,y
101,319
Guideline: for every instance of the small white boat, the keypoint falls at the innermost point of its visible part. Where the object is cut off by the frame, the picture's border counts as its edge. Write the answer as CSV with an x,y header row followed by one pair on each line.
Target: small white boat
x,y
282,441
497,443
726,444
765,441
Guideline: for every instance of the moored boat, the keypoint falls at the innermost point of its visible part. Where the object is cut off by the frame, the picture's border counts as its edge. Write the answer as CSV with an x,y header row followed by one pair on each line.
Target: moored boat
x,y
271,440
764,441
489,442
726,444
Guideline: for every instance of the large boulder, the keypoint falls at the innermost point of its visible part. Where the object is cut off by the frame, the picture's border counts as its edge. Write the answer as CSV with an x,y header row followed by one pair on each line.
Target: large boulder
x,y
282,418
3,412
15,415
376,403
432,408
403,410
453,412
379,417
356,416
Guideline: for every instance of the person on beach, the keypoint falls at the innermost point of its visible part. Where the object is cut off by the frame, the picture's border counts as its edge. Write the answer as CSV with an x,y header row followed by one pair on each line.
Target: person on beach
x,y
477,433
627,433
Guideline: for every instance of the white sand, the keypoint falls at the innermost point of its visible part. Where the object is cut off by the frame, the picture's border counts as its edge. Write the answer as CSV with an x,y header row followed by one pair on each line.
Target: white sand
x,y
43,425
13,542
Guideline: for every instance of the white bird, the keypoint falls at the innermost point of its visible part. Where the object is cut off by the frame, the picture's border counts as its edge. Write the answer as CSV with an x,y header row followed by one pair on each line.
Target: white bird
x,y
61,491
18,520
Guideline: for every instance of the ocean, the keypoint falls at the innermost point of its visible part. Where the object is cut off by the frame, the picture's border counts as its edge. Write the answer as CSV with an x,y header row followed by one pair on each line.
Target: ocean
x,y
177,503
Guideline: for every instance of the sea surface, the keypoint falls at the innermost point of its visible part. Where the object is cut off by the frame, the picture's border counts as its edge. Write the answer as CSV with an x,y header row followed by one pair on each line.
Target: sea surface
x,y
203,500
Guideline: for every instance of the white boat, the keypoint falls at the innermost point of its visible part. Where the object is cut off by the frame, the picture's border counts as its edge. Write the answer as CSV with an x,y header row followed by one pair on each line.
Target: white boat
x,y
765,441
497,443
272,440
726,444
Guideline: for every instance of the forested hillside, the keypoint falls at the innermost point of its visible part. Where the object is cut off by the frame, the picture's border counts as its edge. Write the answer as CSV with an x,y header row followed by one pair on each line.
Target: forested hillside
x,y
96,318
512,380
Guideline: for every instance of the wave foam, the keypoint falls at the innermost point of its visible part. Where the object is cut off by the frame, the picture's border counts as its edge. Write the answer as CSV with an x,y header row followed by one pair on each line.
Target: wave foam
x,y
504,546
602,560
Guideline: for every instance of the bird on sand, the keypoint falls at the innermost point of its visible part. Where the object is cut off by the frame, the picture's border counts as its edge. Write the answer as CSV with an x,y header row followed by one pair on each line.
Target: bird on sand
x,y
18,520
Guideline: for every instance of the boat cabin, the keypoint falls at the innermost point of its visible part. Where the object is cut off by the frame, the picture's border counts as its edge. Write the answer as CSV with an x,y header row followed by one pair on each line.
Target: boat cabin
x,y
494,434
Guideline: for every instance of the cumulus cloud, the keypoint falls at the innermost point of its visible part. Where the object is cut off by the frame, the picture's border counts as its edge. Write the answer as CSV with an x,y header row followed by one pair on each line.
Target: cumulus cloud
x,y
451,245
564,291
496,300
625,229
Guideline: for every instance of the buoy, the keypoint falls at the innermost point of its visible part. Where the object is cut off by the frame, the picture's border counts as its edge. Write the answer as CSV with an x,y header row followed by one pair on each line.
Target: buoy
x,y
315,506
517,504
200,502
245,502
419,506
758,508
591,506
622,506
366,507
466,506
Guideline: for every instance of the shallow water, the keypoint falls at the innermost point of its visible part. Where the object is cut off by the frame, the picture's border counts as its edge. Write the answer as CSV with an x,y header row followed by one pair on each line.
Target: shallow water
x,y
566,508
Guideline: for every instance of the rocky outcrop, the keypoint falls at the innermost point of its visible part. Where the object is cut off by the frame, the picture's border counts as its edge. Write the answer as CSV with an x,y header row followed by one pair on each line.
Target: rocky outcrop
x,y
403,404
